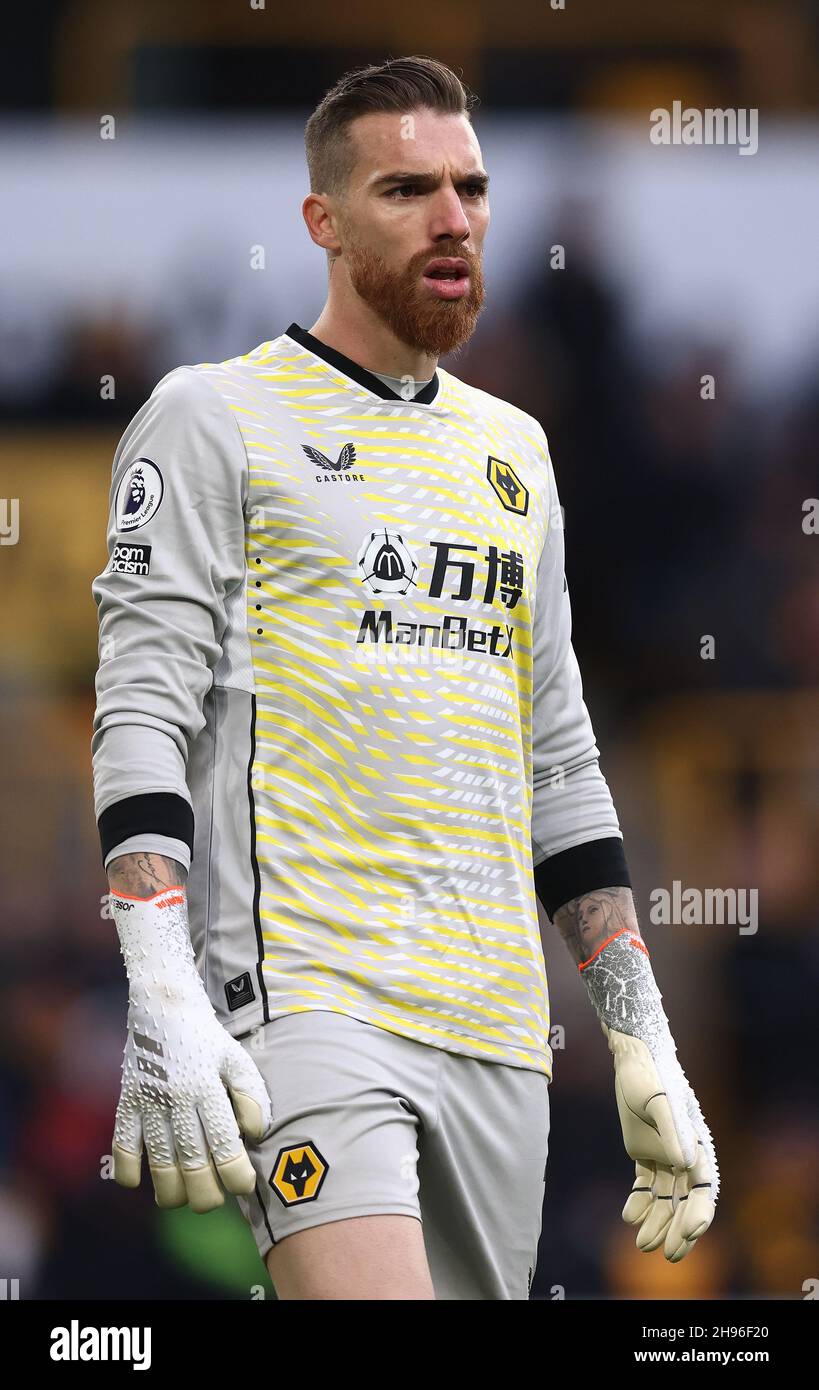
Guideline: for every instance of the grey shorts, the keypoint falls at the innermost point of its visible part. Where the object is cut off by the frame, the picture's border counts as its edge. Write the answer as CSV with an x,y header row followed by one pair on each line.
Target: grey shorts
x,y
366,1121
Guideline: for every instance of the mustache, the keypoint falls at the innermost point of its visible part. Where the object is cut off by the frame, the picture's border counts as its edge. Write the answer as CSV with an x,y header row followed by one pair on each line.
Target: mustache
x,y
472,258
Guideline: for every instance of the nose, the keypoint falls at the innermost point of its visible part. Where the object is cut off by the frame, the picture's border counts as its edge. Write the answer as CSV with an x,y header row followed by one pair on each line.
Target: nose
x,y
448,217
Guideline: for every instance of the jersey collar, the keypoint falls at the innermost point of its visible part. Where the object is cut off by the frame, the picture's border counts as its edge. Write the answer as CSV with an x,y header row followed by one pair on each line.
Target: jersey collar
x,y
425,396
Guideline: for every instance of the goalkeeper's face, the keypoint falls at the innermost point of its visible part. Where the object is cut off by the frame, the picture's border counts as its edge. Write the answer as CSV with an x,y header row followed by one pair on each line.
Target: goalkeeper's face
x,y
395,230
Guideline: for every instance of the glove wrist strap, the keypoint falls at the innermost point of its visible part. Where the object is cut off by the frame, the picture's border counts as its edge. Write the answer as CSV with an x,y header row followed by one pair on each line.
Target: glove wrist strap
x,y
155,940
623,990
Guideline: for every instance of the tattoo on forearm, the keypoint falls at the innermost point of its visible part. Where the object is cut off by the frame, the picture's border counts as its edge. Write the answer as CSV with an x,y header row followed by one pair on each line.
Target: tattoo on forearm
x,y
141,875
585,923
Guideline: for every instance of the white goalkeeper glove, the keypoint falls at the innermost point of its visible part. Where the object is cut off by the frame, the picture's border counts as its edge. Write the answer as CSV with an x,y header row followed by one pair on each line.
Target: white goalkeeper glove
x,y
675,1189
181,1069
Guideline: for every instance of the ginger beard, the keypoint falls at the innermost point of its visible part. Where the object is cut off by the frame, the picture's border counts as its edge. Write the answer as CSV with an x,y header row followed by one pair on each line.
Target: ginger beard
x,y
405,303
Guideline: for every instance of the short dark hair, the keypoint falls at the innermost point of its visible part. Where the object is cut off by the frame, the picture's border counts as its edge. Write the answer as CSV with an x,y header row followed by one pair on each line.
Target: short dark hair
x,y
400,85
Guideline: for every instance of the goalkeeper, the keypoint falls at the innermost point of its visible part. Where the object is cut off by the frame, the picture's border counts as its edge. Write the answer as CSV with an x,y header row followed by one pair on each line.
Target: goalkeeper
x,y
325,850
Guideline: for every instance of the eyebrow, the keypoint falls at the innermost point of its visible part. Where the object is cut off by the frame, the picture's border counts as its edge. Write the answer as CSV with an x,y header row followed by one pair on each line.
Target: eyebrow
x,y
430,180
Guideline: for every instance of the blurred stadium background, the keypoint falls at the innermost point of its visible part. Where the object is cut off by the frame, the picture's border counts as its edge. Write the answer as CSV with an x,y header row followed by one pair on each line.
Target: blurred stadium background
x,y
684,518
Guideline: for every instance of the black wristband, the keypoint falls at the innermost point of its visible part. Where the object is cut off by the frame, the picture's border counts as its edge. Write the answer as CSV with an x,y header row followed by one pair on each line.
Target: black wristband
x,y
579,870
151,813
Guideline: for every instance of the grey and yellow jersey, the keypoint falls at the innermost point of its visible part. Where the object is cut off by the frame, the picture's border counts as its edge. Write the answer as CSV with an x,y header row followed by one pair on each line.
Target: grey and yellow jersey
x,y
336,682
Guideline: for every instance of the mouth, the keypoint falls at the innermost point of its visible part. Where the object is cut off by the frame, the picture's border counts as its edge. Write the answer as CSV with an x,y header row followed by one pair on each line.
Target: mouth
x,y
448,278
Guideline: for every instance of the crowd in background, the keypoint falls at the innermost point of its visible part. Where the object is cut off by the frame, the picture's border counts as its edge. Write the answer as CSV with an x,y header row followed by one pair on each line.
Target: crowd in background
x,y
683,518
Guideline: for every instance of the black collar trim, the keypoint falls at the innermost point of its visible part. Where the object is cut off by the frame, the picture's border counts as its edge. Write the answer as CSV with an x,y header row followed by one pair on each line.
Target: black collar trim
x,y
425,396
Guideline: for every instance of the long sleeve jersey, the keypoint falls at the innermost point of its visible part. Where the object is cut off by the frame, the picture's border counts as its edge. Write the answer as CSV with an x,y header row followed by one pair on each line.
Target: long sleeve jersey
x,y
336,682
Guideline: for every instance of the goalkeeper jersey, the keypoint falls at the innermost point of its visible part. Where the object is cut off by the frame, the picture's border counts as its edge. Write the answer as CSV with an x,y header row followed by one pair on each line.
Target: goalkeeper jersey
x,y
336,682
